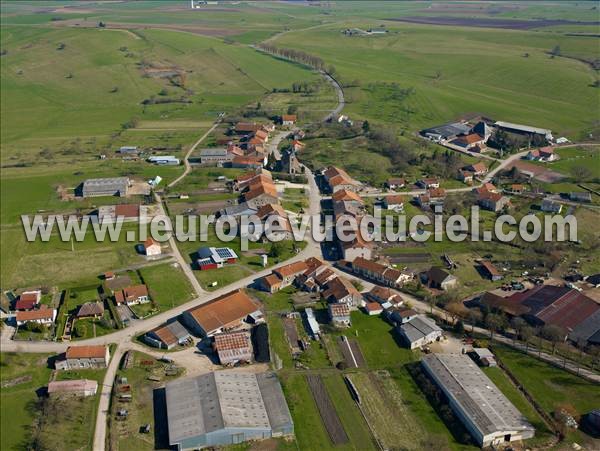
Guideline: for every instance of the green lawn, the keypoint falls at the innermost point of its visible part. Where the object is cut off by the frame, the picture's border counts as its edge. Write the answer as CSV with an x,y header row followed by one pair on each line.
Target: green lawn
x,y
65,424
168,286
18,406
550,386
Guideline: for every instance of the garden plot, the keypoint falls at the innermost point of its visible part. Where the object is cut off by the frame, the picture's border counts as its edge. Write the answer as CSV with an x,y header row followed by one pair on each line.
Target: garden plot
x,y
330,418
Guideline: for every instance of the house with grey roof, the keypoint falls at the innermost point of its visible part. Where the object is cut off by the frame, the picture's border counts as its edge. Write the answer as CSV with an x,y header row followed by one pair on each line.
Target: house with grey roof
x,y
483,409
419,331
224,408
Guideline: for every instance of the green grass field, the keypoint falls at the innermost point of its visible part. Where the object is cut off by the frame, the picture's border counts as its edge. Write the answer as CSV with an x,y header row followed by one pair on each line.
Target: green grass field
x,y
168,286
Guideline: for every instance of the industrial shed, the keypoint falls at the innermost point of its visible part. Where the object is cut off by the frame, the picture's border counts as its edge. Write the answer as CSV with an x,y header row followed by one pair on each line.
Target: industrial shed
x,y
486,413
225,408
116,186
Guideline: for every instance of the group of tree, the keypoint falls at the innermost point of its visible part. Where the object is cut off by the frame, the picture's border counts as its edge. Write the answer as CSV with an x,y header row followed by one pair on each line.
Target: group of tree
x,y
294,55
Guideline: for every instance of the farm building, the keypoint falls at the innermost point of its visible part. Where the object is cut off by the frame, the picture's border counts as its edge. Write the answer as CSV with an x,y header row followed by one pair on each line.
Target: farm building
x,y
225,408
215,257
490,270
233,347
225,313
542,154
28,300
84,357
549,206
339,314
446,132
419,331
524,129
78,387
44,315
215,156
116,186
124,212
575,313
313,325
485,412
288,273
164,160
168,336
582,196
242,209
90,310
485,357
438,278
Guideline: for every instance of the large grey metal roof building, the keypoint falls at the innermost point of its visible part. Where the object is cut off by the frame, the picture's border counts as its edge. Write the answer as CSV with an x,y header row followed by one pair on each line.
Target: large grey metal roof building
x,y
419,331
224,408
484,410
116,186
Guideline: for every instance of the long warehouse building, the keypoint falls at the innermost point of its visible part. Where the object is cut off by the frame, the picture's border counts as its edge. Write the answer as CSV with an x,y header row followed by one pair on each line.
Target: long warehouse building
x,y
224,408
487,414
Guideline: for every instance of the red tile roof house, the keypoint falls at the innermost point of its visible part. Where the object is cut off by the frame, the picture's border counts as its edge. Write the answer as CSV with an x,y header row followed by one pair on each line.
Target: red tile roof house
x,y
493,201
340,290
271,283
338,179
469,141
339,314
465,176
28,300
276,222
288,273
373,308
44,315
136,294
316,275
288,119
233,348
385,275
385,296
478,168
84,357
151,247
542,154
394,202
225,313
78,387
395,182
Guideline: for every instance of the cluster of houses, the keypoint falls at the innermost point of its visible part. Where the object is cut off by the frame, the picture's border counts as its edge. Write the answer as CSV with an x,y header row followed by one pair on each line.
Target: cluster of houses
x,y
28,309
246,150
259,197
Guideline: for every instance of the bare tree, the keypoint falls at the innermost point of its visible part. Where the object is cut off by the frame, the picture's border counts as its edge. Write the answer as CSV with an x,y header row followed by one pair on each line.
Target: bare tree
x,y
527,333
517,324
553,334
493,322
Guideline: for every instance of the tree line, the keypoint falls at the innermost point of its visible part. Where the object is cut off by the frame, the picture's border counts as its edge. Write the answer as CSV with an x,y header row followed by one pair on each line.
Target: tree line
x,y
295,55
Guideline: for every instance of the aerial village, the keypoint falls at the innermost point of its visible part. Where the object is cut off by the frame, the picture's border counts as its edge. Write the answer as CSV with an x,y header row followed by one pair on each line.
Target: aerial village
x,y
219,343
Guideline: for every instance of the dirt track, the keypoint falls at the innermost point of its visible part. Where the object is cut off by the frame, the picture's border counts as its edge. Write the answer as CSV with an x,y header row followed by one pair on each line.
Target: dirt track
x,y
490,23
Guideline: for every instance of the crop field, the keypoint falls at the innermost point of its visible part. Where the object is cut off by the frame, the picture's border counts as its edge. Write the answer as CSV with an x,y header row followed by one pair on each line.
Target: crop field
x,y
330,418
418,75
388,413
